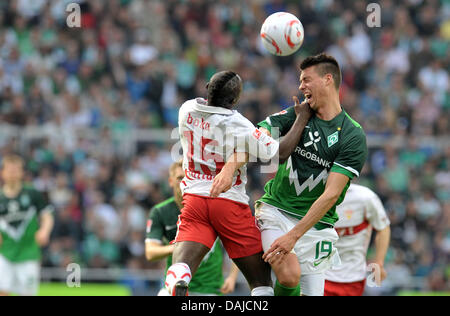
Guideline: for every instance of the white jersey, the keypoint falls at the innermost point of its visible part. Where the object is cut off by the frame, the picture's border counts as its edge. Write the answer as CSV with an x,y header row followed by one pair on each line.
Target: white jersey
x,y
358,213
209,136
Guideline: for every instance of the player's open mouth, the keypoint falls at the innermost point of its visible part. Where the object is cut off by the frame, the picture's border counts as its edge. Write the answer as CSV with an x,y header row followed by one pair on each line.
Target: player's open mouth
x,y
308,96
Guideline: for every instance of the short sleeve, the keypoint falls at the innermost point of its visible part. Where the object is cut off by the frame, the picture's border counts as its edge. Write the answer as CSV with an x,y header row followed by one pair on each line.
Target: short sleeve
x,y
376,214
247,138
41,202
154,230
282,121
352,156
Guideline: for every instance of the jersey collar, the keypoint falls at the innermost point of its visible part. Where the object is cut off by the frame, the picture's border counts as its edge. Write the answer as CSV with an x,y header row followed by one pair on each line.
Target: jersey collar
x,y
202,106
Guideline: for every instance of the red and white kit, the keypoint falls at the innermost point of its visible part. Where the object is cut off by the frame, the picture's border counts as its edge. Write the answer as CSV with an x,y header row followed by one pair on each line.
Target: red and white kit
x,y
358,213
209,135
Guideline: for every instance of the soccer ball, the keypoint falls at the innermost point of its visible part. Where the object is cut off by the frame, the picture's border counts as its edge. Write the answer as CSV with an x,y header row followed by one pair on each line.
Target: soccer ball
x,y
176,272
282,34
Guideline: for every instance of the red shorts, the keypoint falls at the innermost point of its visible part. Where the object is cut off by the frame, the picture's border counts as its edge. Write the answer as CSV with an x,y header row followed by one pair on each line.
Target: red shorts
x,y
344,289
202,219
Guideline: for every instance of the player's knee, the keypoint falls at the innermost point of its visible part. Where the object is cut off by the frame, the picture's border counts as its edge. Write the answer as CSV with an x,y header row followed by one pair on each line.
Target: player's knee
x,y
289,276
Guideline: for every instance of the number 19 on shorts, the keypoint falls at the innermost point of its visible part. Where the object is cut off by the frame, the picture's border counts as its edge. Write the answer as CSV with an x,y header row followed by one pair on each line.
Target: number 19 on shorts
x,y
323,251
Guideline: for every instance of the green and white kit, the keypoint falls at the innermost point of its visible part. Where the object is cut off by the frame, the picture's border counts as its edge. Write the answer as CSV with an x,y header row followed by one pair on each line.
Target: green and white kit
x,y
19,253
338,145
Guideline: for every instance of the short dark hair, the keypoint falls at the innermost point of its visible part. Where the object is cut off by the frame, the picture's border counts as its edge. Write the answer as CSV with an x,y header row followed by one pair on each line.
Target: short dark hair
x,y
326,64
224,89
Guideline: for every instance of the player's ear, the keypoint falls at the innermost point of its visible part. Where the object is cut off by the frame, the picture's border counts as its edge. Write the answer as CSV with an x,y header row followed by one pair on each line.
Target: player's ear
x,y
329,80
207,85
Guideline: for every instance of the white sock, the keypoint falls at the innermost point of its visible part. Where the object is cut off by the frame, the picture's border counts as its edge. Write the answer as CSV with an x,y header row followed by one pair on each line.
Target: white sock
x,y
163,292
176,272
262,291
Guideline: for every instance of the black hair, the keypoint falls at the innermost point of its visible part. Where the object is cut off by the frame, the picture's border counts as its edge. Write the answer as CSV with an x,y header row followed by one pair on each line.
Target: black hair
x,y
224,89
326,64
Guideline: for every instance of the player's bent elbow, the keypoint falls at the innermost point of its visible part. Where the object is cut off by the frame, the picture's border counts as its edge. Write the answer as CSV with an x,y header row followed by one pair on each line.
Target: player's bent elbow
x,y
148,255
283,158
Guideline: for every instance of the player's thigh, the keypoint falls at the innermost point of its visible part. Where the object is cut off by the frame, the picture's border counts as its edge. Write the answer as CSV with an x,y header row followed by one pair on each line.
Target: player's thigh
x,y
288,271
6,276
193,223
255,270
27,278
273,225
236,227
316,251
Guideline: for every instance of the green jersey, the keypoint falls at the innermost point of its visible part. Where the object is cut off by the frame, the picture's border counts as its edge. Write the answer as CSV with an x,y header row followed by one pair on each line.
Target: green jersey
x,y
19,222
338,145
162,228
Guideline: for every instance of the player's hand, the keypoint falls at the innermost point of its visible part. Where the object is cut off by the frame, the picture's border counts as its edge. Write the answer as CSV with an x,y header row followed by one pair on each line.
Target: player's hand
x,y
221,183
279,249
228,285
303,109
383,274
42,238
380,272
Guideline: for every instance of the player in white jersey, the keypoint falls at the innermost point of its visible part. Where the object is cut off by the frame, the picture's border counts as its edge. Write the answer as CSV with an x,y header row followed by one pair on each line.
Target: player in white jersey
x,y
359,212
212,134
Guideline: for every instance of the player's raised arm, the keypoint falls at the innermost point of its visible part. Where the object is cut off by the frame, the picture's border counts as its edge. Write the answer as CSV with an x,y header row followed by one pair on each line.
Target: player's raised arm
x,y
292,138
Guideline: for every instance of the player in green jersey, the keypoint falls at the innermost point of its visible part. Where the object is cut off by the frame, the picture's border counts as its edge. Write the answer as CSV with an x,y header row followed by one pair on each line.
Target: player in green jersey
x,y
162,228
26,222
297,213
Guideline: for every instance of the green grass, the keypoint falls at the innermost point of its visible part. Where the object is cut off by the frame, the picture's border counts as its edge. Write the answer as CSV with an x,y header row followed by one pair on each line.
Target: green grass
x,y
86,289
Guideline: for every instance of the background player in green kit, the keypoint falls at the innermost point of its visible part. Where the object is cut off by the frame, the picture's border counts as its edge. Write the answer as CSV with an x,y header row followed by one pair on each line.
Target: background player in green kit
x,y
162,228
26,222
297,212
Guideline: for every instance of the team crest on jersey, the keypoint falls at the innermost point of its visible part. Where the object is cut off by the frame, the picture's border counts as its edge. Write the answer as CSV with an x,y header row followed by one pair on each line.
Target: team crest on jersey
x,y
348,214
333,139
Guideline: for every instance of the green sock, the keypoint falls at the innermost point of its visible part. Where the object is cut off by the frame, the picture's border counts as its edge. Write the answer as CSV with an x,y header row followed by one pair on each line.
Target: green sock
x,y
281,290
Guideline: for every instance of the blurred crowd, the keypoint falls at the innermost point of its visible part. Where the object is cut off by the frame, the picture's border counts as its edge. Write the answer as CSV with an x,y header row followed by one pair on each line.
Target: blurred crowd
x,y
134,62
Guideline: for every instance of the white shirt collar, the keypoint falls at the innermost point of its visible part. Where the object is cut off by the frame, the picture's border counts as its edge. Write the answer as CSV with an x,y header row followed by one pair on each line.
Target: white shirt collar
x,y
201,105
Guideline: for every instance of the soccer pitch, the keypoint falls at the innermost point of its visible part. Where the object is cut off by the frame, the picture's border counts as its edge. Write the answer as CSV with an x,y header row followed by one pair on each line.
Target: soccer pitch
x,y
86,289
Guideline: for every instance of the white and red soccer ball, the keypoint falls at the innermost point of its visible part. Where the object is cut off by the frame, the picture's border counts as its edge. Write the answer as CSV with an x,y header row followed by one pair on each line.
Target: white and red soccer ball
x,y
282,34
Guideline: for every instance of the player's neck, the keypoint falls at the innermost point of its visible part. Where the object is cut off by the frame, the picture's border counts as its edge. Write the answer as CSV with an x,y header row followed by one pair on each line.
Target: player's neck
x,y
329,110
12,189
